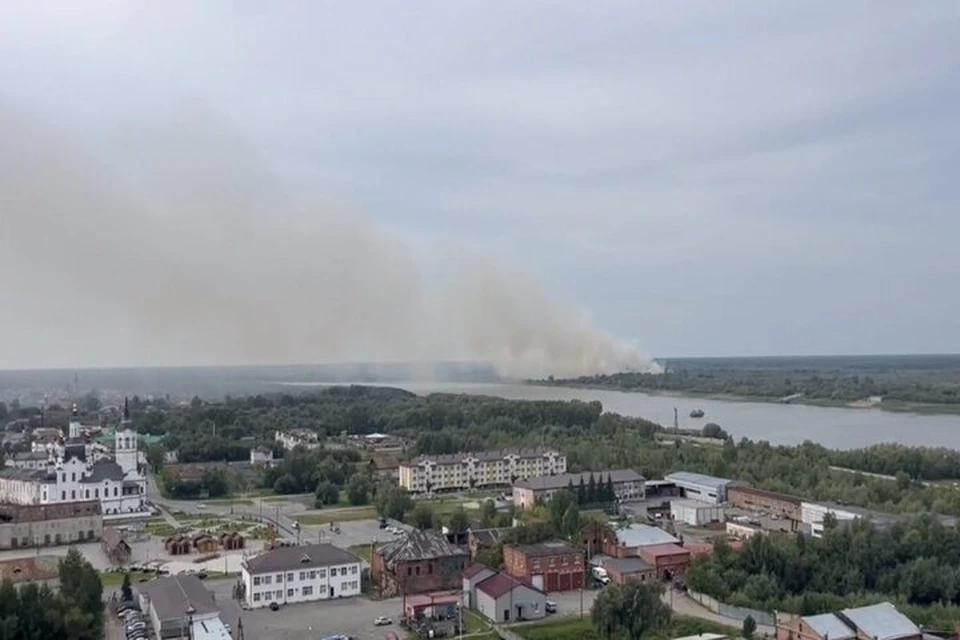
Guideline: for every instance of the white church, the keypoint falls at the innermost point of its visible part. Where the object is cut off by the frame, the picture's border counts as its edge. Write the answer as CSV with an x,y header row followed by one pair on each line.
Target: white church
x,y
77,472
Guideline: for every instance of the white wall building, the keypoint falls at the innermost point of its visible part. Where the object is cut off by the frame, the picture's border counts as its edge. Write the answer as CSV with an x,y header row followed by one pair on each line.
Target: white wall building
x,y
118,484
261,456
297,438
695,513
812,514
698,486
461,471
300,574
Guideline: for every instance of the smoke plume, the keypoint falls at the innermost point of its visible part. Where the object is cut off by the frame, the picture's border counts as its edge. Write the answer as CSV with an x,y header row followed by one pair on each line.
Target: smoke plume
x,y
191,252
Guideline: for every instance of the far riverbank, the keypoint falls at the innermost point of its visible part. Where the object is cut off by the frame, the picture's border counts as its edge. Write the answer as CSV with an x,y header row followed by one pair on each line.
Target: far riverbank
x,y
787,424
896,406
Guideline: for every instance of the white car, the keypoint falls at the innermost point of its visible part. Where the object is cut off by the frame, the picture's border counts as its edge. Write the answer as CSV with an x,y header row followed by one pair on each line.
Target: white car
x,y
382,621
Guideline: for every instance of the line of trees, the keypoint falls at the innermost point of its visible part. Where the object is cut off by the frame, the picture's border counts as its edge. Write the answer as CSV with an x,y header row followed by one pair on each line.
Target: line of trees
x,y
38,612
939,387
915,563
595,491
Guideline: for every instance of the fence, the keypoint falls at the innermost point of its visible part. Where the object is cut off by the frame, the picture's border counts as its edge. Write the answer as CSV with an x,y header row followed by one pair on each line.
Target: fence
x,y
734,612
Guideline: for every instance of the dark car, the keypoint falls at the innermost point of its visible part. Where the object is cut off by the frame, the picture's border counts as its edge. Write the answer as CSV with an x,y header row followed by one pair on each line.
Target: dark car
x,y
274,606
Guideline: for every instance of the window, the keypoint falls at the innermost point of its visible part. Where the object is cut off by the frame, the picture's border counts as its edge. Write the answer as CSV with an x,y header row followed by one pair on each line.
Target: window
x,y
279,578
267,579
73,494
303,575
409,570
278,594
333,572
64,477
290,577
256,581
256,597
353,570
90,534
313,575
86,493
114,492
418,569
290,593
320,572
96,493
308,591
430,568
63,495
73,477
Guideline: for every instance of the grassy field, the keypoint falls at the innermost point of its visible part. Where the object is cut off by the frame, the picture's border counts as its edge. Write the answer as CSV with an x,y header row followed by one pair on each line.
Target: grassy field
x,y
577,629
338,515
361,551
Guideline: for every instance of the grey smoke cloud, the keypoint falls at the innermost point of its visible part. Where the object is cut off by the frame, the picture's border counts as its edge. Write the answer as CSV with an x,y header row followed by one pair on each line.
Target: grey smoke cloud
x,y
197,254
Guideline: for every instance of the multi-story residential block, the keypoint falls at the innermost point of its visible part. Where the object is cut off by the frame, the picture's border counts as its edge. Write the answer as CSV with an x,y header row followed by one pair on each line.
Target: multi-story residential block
x,y
627,485
462,471
300,574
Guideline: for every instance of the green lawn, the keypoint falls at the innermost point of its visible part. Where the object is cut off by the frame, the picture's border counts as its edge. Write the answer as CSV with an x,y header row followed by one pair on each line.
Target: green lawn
x,y
361,551
112,579
473,622
340,515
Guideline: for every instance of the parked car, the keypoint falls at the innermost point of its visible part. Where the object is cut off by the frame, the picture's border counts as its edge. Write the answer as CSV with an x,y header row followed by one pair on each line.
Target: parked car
x,y
382,621
550,606
274,606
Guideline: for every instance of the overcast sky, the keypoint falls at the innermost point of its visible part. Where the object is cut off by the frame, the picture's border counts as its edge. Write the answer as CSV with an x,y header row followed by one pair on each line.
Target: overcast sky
x,y
703,178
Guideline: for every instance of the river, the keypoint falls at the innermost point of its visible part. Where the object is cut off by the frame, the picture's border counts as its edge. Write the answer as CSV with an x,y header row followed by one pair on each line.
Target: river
x,y
837,428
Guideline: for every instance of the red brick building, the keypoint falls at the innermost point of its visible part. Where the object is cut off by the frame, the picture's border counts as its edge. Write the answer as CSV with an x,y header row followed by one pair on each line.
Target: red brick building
x,y
668,560
554,566
420,562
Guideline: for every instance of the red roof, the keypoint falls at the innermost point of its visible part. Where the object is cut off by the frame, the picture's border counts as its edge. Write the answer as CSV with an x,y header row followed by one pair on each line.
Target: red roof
x,y
661,550
498,584
474,569
697,549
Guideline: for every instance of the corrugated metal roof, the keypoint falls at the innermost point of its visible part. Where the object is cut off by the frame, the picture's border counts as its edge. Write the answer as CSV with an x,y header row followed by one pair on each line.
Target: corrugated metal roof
x,y
830,626
881,621
697,478
418,545
643,535
177,597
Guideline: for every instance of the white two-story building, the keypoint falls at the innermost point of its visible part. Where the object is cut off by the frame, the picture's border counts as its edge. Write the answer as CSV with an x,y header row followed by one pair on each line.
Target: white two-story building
x,y
300,574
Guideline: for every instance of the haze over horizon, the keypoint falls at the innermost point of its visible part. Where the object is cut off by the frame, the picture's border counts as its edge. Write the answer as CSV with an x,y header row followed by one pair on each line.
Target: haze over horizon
x,y
234,183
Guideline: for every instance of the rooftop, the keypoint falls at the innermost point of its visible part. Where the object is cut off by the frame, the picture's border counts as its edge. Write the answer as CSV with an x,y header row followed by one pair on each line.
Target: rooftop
x,y
498,584
830,626
104,470
308,556
688,477
176,597
45,512
881,621
475,569
484,456
660,550
644,535
31,455
561,481
626,565
29,475
418,545
546,549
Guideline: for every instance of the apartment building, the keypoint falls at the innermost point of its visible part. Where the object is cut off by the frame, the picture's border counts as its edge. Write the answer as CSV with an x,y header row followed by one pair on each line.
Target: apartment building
x,y
300,574
464,471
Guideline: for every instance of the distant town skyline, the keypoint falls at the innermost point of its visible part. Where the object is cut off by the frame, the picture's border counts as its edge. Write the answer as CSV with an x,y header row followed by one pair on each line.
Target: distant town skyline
x,y
696,179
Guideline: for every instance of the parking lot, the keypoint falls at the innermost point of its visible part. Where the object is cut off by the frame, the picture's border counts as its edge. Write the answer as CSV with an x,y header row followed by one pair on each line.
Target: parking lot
x,y
351,616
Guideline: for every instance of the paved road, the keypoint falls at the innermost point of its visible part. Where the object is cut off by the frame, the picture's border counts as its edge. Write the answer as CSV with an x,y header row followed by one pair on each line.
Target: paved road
x,y
684,605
